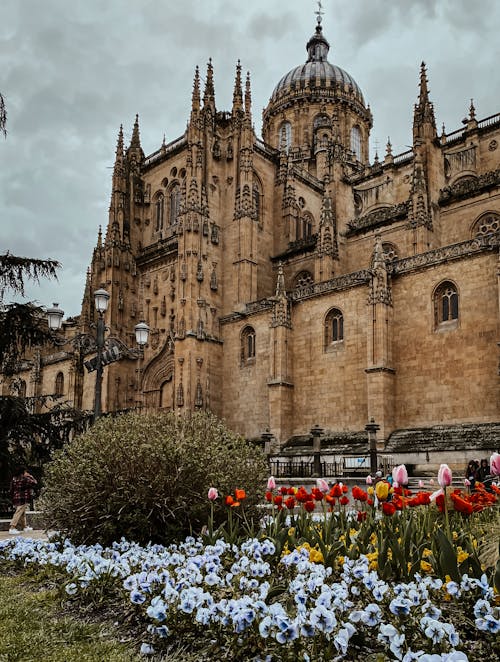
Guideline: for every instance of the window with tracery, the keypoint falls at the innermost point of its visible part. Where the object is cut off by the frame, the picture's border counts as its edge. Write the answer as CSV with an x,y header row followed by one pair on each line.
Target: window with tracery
x,y
247,345
174,203
303,278
159,211
59,386
445,303
334,327
356,142
304,226
285,136
487,224
257,200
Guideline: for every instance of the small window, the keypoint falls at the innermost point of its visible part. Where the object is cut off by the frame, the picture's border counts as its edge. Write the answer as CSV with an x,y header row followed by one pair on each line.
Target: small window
x,y
59,387
22,388
356,142
303,278
174,203
487,224
445,304
285,136
247,345
159,211
334,327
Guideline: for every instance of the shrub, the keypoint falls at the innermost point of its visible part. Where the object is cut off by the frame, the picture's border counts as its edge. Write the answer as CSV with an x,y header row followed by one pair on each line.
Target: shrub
x,y
147,478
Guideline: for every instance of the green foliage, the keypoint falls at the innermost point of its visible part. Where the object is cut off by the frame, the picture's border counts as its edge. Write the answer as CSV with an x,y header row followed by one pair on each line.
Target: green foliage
x,y
147,478
32,627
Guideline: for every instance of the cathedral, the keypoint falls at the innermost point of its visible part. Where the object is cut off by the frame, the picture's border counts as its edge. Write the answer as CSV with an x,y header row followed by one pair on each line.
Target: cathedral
x,y
288,282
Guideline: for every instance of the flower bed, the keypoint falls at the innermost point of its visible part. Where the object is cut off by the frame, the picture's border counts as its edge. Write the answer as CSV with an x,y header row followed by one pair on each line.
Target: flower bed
x,y
331,576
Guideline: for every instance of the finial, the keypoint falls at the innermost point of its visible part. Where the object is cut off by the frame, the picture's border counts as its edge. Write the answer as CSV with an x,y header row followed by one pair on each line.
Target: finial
x,y
237,92
195,102
248,94
388,147
99,237
280,282
472,110
319,13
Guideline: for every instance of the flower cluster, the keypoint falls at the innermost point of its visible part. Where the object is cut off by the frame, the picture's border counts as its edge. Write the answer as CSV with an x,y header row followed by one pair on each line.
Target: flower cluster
x,y
240,592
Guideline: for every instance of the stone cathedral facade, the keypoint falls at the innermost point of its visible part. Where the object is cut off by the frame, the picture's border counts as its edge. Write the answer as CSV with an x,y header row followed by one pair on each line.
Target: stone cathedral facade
x,y
288,281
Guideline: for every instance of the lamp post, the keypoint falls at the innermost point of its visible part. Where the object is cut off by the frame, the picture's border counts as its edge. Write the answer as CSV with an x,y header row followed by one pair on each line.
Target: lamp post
x,y
116,349
316,433
371,429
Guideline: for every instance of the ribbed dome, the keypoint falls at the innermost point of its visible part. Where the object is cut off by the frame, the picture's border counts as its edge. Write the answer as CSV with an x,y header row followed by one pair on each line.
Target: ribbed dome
x,y
317,73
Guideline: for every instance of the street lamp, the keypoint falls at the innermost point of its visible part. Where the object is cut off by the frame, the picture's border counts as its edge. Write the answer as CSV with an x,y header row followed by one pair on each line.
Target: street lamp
x,y
115,348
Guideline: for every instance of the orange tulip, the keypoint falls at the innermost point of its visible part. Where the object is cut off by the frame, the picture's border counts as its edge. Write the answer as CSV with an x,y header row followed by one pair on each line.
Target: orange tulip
x,y
240,494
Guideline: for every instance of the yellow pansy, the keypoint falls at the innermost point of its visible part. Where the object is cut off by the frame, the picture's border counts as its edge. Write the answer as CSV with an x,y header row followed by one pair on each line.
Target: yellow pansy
x,y
426,567
426,553
315,556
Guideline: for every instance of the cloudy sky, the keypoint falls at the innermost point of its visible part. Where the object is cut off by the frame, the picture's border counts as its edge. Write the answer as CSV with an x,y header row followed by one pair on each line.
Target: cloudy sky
x,y
72,72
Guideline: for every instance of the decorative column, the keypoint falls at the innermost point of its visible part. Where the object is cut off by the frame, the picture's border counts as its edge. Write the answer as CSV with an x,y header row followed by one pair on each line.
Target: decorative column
x,y
379,370
280,382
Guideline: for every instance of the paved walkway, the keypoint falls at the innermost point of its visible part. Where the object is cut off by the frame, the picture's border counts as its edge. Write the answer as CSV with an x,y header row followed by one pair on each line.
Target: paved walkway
x,y
37,534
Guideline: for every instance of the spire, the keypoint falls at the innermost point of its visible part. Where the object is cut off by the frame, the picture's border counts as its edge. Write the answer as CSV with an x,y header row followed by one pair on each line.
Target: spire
x,y
209,93
99,238
237,92
119,146
195,103
136,140
424,122
135,148
248,96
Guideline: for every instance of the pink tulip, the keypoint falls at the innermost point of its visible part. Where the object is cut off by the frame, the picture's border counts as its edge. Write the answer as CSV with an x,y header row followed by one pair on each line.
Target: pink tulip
x,y
495,464
271,483
466,482
431,482
444,475
213,494
322,485
400,475
420,483
369,480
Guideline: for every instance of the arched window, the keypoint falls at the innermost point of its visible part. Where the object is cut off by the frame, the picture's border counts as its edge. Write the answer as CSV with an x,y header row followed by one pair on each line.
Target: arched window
x,y
174,203
445,304
304,226
356,142
159,211
247,345
486,224
285,136
21,389
334,327
59,386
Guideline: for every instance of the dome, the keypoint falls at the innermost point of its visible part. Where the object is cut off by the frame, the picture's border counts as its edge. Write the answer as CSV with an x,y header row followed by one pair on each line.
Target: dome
x,y
317,74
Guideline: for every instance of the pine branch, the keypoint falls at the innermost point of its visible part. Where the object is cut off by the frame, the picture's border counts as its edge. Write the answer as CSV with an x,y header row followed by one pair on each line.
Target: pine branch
x,y
3,117
15,270
22,326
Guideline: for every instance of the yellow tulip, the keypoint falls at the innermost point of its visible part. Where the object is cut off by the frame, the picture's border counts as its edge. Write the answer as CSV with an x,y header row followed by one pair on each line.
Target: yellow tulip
x,y
382,490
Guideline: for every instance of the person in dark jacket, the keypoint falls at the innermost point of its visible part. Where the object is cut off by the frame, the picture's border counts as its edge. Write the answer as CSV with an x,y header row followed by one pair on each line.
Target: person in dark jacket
x,y
21,492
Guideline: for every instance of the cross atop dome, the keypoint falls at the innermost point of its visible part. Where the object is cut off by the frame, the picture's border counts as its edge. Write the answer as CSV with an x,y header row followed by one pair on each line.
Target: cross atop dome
x,y
319,13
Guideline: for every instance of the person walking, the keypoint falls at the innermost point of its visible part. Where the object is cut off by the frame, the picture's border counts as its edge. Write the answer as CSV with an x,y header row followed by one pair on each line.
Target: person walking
x,y
21,491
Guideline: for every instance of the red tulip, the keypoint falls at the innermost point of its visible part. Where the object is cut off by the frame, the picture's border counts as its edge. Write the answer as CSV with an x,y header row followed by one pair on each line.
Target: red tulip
x,y
388,508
